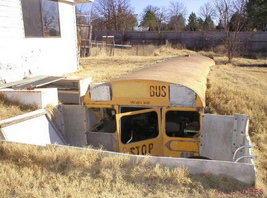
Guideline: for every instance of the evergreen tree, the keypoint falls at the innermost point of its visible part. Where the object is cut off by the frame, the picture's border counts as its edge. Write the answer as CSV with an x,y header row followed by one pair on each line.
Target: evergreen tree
x,y
208,24
257,14
220,26
201,23
150,20
193,24
238,18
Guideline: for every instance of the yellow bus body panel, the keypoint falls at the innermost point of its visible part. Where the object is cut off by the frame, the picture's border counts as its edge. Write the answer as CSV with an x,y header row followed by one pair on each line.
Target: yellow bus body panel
x,y
150,88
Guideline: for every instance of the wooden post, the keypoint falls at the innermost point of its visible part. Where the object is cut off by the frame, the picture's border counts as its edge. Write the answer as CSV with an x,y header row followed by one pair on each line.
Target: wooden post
x,y
143,47
90,40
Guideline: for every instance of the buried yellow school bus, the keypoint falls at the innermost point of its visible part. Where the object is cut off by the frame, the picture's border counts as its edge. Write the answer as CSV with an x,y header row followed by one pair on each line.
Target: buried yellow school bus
x,y
156,111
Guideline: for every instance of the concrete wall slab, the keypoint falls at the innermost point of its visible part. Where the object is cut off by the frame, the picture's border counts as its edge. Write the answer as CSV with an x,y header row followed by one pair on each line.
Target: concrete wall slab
x,y
74,124
217,137
39,97
32,128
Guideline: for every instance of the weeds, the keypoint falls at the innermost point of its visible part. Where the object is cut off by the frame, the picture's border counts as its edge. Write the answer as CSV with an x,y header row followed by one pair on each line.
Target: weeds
x,y
243,90
10,108
31,171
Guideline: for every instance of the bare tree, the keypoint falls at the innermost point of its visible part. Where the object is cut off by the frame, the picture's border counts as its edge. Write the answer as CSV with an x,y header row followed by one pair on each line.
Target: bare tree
x,y
225,10
50,18
85,14
207,14
207,10
117,14
161,16
177,10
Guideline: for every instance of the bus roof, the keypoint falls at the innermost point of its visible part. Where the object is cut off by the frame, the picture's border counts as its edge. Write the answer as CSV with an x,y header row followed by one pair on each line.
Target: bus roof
x,y
189,71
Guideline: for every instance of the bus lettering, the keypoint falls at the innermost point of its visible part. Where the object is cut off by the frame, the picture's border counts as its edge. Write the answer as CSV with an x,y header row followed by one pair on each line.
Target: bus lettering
x,y
132,150
164,90
143,150
158,91
150,147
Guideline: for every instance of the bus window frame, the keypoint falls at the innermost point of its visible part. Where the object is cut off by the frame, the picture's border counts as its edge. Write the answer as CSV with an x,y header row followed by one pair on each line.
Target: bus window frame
x,y
115,107
143,108
131,113
165,110
188,141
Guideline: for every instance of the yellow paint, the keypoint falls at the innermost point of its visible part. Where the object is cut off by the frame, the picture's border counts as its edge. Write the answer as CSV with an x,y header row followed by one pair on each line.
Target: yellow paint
x,y
149,88
149,94
130,90
138,93
180,145
145,147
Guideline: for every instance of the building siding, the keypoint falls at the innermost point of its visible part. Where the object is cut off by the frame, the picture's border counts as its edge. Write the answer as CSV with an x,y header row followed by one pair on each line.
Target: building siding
x,y
21,57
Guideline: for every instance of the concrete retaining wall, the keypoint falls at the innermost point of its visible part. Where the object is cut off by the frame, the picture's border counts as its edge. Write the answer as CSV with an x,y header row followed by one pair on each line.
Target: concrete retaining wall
x,y
30,128
36,128
243,172
39,97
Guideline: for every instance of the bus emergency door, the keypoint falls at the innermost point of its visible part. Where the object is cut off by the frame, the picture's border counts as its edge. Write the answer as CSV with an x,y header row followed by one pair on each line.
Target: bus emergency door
x,y
181,131
139,132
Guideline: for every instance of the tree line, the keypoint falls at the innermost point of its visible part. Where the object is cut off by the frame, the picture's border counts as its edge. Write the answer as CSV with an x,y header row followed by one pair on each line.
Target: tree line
x,y
119,15
230,16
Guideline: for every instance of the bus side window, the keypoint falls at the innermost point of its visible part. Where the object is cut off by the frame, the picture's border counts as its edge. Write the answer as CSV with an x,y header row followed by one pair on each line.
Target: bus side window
x,y
139,127
101,120
182,123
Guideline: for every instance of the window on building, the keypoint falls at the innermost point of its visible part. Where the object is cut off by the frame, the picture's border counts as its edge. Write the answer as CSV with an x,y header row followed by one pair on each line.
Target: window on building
x,y
41,18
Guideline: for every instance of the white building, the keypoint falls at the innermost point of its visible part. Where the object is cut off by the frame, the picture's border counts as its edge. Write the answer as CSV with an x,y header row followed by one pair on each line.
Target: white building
x,y
37,37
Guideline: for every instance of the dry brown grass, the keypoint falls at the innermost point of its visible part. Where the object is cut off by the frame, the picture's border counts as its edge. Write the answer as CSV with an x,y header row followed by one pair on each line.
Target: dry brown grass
x,y
233,89
10,108
31,171
142,50
103,68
